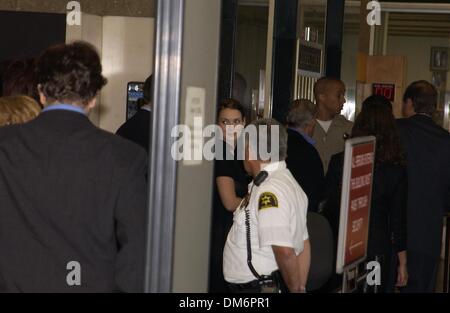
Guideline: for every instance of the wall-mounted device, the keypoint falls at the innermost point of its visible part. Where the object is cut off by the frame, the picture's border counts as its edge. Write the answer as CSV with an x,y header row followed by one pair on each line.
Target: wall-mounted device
x,y
135,93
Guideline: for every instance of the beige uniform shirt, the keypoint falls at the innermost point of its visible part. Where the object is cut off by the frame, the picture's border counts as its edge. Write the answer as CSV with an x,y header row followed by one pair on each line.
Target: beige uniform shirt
x,y
277,217
331,142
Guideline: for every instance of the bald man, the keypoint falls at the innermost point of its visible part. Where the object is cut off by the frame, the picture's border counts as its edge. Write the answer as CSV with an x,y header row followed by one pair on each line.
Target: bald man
x,y
331,127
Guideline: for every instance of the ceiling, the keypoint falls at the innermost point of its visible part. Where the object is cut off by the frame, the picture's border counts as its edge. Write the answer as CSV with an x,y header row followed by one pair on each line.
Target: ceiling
x,y
399,24
405,19
419,25
406,24
137,8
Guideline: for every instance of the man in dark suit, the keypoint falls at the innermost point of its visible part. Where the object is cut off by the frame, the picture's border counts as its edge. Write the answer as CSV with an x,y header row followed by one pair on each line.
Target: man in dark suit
x,y
427,149
137,128
303,160
73,197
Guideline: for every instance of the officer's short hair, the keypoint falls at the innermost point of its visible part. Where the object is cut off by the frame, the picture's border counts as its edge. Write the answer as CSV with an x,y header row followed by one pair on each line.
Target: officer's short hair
x,y
301,113
279,150
423,96
322,85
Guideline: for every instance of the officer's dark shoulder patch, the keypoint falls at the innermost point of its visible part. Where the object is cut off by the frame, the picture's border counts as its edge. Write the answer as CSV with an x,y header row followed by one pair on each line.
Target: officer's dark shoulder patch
x,y
267,200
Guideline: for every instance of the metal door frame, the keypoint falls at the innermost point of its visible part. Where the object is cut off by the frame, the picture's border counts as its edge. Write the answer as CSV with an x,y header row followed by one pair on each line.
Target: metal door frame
x,y
162,167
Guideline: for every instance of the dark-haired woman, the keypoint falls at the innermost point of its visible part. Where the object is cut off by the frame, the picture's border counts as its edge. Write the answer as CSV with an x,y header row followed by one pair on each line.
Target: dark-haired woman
x,y
387,223
231,187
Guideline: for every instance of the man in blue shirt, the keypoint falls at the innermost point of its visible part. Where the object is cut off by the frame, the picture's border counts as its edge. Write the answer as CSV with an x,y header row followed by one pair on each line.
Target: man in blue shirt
x,y
303,160
73,197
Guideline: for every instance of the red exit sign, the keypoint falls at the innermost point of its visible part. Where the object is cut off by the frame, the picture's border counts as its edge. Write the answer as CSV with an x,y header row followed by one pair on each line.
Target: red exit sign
x,y
387,90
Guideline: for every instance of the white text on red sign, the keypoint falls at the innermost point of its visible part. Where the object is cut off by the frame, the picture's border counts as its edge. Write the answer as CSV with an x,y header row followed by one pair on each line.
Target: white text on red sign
x,y
357,225
362,160
361,181
359,203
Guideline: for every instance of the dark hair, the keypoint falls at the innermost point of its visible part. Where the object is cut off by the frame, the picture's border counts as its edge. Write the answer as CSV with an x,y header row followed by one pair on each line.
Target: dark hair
x,y
148,89
70,72
231,104
423,96
19,79
376,119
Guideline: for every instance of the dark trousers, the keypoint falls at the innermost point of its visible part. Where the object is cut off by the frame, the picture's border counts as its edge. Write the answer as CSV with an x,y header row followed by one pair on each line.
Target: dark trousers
x,y
422,272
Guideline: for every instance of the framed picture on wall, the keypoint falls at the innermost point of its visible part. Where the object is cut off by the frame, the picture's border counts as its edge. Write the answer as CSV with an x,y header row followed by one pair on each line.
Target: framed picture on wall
x,y
439,80
439,59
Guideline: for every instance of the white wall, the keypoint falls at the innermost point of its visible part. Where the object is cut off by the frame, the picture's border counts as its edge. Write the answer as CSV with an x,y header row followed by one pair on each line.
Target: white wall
x,y
127,55
199,68
417,50
126,48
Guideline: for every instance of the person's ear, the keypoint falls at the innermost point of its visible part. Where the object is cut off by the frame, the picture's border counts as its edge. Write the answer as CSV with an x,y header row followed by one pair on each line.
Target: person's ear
x,y
410,105
408,108
91,104
42,97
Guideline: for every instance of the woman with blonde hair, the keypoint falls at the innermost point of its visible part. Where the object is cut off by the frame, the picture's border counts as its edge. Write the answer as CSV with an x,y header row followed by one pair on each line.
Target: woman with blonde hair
x,y
17,110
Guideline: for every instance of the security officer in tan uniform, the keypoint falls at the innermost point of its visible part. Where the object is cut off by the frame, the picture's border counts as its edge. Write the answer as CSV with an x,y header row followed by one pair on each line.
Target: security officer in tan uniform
x,y
267,248
332,128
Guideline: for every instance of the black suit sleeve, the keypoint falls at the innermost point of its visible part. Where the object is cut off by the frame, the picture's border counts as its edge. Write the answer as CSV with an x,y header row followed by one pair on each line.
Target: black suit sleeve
x,y
332,194
398,215
123,131
310,177
130,218
304,163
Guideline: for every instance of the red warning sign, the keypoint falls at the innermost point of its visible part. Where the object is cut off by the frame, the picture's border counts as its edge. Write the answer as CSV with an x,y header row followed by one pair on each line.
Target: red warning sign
x,y
355,201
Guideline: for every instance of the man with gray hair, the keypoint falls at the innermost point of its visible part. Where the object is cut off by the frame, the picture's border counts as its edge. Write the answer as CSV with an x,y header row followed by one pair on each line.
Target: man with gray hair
x,y
303,160
267,248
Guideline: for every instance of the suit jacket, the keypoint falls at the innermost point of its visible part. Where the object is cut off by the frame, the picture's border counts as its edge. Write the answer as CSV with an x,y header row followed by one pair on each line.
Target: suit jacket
x,y
331,142
70,192
427,149
137,128
304,162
